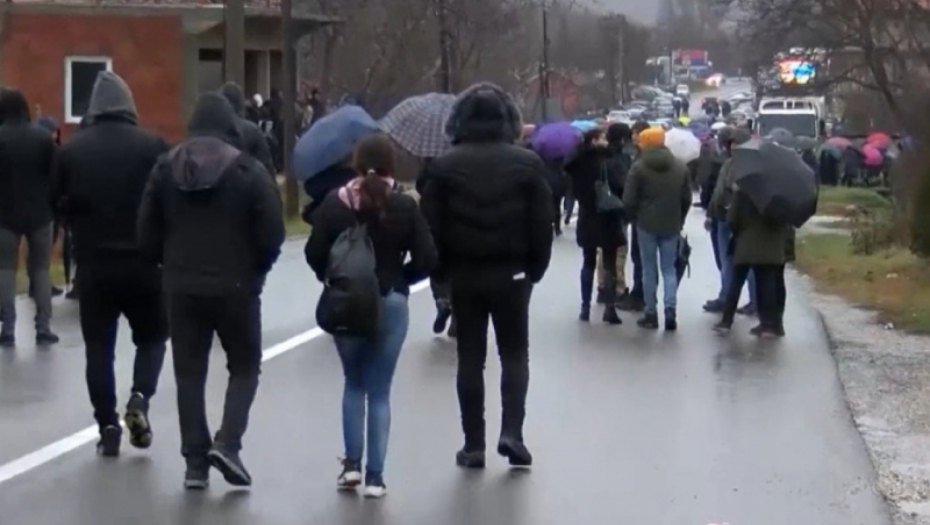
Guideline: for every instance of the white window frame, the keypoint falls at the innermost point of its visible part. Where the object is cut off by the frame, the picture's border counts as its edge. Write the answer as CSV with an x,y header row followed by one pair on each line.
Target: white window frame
x,y
69,118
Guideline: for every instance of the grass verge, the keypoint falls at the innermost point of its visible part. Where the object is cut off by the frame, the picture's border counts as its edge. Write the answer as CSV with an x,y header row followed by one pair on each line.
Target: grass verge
x,y
837,200
894,282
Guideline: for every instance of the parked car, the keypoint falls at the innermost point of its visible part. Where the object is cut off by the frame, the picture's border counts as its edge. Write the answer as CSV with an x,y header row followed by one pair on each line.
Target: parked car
x,y
683,90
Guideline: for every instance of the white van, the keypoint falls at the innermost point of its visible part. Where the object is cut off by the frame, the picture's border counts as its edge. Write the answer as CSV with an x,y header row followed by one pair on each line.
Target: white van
x,y
682,90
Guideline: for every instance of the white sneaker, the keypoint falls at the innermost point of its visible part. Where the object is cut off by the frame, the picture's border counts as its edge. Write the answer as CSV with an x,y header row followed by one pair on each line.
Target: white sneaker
x,y
375,491
351,476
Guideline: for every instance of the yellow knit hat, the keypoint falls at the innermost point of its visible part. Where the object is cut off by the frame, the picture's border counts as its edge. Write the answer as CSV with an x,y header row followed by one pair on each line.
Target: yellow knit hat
x,y
652,138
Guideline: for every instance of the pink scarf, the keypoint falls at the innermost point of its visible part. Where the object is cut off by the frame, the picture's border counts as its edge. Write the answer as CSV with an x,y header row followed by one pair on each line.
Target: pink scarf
x,y
349,194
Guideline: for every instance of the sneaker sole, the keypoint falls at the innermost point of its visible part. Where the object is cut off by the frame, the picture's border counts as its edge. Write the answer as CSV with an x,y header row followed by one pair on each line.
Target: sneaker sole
x,y
196,484
375,493
140,432
231,473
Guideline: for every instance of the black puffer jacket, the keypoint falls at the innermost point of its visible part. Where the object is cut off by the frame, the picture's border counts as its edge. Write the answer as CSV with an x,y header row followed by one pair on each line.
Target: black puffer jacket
x,y
211,214
253,140
587,165
102,173
27,154
487,201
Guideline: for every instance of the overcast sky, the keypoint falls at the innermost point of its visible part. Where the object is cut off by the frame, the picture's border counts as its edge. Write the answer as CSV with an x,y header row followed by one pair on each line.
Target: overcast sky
x,y
644,11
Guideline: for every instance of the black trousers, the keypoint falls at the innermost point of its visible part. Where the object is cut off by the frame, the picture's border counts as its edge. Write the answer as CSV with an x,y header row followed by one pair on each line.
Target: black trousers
x,y
111,289
236,320
771,293
505,302
589,269
557,211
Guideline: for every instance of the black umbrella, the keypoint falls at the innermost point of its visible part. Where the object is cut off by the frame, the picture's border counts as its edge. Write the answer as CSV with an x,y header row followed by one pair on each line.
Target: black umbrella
x,y
777,181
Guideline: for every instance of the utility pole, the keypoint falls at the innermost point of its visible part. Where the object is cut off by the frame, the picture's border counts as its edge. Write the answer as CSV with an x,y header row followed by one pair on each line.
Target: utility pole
x,y
234,41
289,92
445,55
544,64
621,52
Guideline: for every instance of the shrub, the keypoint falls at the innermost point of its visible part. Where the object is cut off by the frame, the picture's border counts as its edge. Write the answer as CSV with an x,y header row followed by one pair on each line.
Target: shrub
x,y
874,231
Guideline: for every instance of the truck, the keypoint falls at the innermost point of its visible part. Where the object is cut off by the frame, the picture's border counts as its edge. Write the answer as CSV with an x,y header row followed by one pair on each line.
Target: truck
x,y
801,116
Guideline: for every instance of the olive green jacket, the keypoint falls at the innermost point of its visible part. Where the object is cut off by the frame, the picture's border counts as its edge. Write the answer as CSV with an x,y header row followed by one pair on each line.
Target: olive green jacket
x,y
657,194
757,239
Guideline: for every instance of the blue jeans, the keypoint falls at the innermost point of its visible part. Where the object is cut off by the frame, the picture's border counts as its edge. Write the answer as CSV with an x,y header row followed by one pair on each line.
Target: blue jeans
x,y
658,253
724,234
369,366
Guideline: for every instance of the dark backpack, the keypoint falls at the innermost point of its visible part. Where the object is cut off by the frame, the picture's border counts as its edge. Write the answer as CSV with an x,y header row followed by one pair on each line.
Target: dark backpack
x,y
351,300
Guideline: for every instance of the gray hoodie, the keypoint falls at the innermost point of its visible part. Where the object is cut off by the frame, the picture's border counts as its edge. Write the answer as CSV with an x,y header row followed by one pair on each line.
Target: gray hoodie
x,y
111,97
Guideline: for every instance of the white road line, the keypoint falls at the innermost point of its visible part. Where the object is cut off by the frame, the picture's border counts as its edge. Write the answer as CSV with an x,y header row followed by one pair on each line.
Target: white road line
x,y
63,446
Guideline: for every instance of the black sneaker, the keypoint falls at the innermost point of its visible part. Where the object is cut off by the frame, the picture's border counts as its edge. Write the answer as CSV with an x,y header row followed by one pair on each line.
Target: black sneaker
x,y
230,465
443,313
714,306
46,337
109,443
56,291
453,329
671,320
748,310
137,421
351,476
766,331
585,315
722,328
375,487
515,452
649,321
197,475
7,340
470,459
72,294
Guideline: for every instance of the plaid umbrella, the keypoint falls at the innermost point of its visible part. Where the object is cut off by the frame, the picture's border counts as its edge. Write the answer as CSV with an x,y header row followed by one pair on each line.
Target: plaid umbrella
x,y
417,124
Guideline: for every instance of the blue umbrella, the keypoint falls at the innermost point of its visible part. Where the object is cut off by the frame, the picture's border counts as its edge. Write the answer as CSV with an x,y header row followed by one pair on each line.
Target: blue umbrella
x,y
331,140
585,125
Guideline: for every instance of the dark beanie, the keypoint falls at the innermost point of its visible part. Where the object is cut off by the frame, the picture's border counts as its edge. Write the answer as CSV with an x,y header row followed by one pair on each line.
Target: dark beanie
x,y
619,133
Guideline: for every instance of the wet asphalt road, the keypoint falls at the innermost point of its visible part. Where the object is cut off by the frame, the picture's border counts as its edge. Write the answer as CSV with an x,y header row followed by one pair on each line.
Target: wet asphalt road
x,y
626,426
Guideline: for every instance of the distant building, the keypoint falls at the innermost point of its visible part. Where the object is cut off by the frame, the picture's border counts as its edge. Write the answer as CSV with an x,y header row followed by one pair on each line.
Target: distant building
x,y
168,51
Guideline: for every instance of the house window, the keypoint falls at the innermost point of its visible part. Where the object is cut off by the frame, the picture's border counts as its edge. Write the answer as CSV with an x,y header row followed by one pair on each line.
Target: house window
x,y
80,75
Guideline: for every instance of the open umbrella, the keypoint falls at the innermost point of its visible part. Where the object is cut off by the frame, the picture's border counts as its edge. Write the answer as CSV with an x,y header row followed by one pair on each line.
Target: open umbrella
x,y
782,136
683,144
417,124
776,180
555,141
331,140
717,126
872,156
805,143
585,125
878,139
840,143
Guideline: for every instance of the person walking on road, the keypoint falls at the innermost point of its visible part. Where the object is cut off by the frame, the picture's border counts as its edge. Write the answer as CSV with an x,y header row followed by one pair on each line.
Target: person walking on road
x,y
396,227
634,302
439,285
720,202
490,211
211,216
658,194
619,138
27,155
597,229
760,245
101,174
252,138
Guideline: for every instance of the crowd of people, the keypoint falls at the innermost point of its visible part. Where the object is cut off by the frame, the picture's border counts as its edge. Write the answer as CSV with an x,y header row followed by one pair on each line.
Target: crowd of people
x,y
180,239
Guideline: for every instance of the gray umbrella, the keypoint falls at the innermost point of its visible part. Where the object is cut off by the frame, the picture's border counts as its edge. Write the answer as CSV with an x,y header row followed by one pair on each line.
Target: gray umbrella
x,y
805,143
417,124
782,136
776,180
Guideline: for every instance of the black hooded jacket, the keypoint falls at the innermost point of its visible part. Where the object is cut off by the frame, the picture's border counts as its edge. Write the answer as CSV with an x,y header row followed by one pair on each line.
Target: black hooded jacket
x,y
487,201
101,174
27,154
253,140
211,214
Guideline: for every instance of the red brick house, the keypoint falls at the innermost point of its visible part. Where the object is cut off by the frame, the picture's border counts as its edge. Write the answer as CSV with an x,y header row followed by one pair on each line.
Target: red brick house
x,y
168,51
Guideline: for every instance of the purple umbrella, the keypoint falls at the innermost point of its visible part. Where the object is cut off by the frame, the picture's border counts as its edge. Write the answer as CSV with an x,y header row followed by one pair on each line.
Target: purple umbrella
x,y
555,141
